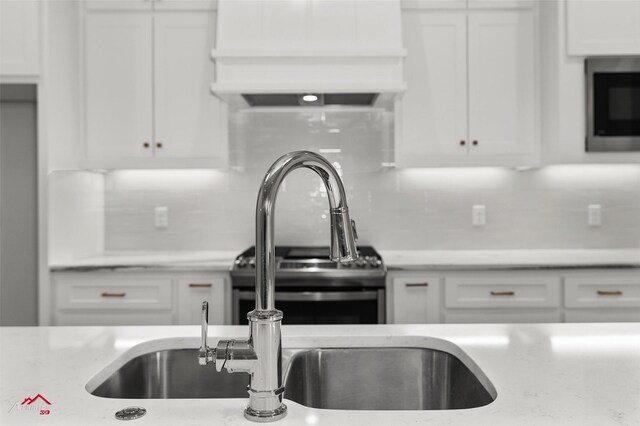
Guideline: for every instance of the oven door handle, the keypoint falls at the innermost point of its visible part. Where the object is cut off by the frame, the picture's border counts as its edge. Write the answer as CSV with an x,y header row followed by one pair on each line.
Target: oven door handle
x,y
315,296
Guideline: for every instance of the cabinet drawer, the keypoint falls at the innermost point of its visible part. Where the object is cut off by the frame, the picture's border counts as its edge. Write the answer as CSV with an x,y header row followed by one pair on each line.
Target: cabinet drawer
x,y
500,316
603,291
113,292
502,292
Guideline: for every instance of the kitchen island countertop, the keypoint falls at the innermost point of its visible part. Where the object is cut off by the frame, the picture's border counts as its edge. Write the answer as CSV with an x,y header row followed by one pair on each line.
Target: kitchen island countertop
x,y
543,374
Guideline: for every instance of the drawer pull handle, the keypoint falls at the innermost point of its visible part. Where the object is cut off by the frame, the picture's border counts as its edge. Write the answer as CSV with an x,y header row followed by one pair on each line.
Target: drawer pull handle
x,y
198,285
609,293
106,294
503,293
417,284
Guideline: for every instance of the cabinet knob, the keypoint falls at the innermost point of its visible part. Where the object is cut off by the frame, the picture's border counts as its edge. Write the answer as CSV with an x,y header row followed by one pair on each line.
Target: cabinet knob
x,y
475,142
463,142
146,145
159,144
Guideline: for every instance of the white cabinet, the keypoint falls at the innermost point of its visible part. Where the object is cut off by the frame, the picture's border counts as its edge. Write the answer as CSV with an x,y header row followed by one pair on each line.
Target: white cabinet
x,y
413,299
602,297
502,297
104,298
472,89
139,298
513,296
19,38
194,290
119,86
147,78
596,27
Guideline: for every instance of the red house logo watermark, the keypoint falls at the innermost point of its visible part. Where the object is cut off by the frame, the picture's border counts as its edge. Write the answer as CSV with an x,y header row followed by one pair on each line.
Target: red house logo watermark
x,y
38,405
29,401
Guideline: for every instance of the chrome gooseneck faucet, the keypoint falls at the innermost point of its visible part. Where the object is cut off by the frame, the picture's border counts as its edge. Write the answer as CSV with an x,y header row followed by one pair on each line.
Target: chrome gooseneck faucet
x,y
261,354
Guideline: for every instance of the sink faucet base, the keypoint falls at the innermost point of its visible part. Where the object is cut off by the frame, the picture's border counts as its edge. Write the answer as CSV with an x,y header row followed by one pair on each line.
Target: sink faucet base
x,y
265,416
266,390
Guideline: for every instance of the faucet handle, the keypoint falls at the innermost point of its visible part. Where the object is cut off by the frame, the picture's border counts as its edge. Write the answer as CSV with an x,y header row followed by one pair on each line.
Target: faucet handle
x,y
206,355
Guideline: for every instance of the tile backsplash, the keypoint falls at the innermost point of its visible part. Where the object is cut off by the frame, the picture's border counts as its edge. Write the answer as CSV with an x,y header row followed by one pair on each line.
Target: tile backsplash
x,y
394,209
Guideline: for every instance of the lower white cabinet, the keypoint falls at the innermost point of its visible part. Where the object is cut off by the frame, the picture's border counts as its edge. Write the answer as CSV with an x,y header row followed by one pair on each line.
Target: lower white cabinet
x,y
194,290
514,296
602,297
501,297
138,298
413,299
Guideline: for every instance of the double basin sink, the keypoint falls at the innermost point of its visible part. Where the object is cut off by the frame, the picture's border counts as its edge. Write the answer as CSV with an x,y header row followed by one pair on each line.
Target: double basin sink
x,y
366,378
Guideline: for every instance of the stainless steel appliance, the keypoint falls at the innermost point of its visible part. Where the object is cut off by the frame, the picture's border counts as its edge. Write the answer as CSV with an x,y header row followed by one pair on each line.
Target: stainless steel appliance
x,y
613,104
311,289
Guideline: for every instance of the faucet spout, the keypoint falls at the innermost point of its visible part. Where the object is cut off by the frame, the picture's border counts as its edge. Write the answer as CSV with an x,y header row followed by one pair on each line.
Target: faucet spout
x,y
343,233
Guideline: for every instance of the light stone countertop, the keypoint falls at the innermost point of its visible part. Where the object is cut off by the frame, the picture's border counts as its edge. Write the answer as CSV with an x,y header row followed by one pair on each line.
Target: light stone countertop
x,y
394,259
170,261
543,374
510,259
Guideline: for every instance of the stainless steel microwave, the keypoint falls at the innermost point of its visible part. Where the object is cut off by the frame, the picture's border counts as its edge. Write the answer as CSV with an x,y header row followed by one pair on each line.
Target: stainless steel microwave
x,y
613,104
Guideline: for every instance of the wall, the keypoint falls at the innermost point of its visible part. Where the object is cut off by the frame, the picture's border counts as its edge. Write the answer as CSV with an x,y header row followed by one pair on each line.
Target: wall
x,y
19,207
76,215
394,209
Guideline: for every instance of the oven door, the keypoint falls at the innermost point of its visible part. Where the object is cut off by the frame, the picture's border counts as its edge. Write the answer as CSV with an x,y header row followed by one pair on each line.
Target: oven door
x,y
613,104
318,307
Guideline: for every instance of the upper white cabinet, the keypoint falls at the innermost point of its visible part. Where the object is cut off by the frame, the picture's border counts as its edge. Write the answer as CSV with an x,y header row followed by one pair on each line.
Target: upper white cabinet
x,y
472,88
147,79
119,89
596,27
19,38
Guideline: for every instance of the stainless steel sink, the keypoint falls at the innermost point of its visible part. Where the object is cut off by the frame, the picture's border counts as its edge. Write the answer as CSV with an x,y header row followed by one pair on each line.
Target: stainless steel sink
x,y
171,373
348,378
382,379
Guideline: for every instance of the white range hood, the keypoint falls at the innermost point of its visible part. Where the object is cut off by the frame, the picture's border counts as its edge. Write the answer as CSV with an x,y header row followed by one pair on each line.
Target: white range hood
x,y
343,51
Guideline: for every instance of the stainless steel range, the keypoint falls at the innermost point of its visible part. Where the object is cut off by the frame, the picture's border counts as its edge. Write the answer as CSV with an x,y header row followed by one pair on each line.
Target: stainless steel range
x,y
311,289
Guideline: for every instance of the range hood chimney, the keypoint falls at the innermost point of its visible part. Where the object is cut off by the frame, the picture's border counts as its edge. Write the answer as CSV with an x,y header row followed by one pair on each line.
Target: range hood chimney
x,y
309,52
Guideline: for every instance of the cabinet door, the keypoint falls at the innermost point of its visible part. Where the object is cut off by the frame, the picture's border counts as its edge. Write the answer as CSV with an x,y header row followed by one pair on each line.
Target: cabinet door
x,y
502,95
118,85
19,38
433,115
194,290
416,300
190,121
596,27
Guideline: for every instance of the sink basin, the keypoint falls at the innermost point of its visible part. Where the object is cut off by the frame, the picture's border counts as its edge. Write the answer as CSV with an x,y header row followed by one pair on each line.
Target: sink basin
x,y
383,379
173,373
371,378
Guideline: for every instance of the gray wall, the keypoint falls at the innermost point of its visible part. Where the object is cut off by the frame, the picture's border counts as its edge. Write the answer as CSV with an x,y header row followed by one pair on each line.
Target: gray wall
x,y
18,206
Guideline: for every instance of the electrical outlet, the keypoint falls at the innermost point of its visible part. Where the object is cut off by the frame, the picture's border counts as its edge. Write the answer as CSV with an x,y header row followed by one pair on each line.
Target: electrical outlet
x,y
479,215
594,215
162,217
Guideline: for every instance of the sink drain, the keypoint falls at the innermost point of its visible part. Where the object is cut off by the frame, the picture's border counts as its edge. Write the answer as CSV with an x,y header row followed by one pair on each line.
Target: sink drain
x,y
131,413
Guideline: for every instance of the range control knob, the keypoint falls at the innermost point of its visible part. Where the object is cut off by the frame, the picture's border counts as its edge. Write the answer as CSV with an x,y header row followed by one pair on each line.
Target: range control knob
x,y
252,263
374,262
360,262
241,262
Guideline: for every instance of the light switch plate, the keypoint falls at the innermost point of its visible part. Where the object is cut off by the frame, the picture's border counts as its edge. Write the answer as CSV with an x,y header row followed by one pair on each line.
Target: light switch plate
x,y
479,215
162,217
594,215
